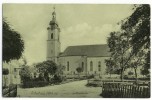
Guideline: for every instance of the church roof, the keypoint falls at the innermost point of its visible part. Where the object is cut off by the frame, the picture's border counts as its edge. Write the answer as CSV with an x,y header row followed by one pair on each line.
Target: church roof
x,y
87,50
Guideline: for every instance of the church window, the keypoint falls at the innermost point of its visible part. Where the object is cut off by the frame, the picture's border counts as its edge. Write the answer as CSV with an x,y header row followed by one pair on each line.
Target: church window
x,y
99,66
68,66
82,66
91,66
52,36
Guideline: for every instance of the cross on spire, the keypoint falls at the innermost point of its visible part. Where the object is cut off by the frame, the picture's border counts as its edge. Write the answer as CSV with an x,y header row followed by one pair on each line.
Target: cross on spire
x,y
54,14
54,8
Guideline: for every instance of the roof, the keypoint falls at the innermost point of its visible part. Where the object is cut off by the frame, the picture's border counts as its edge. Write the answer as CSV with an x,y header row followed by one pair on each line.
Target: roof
x,y
87,50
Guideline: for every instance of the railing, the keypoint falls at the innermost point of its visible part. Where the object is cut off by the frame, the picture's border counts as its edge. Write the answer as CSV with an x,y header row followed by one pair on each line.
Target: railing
x,y
10,91
124,90
99,82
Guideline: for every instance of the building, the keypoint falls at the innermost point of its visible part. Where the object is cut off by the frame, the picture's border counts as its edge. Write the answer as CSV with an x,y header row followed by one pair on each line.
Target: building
x,y
90,57
13,76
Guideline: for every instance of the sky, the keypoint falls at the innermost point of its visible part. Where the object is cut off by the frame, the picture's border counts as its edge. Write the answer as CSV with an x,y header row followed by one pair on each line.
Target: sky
x,y
80,24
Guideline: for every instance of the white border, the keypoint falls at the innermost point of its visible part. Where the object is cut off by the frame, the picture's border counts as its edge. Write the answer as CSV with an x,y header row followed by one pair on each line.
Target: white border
x,y
79,1
61,2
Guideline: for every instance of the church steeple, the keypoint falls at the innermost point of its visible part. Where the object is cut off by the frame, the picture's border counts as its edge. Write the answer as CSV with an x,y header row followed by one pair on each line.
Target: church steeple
x,y
54,14
53,42
53,22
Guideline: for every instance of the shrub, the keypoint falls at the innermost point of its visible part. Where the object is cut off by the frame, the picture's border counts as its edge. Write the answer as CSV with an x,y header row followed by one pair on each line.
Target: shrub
x,y
90,76
32,84
57,79
5,71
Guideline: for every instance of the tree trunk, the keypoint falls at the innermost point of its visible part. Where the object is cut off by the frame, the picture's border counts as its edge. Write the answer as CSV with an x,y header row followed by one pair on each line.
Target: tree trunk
x,y
122,74
135,69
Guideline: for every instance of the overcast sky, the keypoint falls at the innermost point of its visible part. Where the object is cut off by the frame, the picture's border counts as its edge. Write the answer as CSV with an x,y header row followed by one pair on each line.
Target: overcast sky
x,y
79,24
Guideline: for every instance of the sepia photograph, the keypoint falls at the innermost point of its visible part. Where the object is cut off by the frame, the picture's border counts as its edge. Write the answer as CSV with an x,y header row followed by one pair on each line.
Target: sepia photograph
x,y
75,50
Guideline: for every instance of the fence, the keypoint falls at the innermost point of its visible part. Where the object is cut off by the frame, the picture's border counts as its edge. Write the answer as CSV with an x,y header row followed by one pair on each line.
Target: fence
x,y
99,82
10,91
124,90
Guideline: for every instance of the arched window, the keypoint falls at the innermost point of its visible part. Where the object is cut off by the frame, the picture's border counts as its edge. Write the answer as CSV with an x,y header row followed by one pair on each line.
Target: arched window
x,y
68,66
52,36
82,66
91,66
99,66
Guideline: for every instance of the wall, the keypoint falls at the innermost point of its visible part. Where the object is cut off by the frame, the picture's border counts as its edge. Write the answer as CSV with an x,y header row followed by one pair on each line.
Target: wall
x,y
95,61
74,62
13,77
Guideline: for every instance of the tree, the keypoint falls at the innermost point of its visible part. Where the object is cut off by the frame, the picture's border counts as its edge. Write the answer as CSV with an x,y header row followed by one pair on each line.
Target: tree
x,y
134,37
138,24
13,45
5,71
110,65
25,73
47,68
137,61
79,70
130,73
119,45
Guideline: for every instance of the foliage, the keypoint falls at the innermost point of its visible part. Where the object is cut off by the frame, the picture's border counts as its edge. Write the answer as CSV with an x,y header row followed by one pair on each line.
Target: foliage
x,y
5,71
46,68
25,73
110,65
118,43
31,84
130,73
79,69
145,71
13,45
130,47
57,79
138,24
60,70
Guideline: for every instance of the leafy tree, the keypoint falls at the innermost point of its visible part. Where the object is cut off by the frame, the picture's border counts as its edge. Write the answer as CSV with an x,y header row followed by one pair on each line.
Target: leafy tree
x,y
13,44
130,73
138,24
5,71
60,70
79,70
118,43
134,37
47,68
137,61
110,65
25,73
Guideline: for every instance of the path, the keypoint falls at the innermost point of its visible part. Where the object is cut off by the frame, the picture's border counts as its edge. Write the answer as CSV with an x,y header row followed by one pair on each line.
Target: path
x,y
72,89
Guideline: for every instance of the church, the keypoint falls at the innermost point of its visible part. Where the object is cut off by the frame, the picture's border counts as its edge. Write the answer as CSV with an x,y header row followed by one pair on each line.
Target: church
x,y
91,58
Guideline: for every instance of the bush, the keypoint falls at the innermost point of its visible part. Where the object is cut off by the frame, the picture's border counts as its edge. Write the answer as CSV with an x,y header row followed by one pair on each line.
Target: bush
x,y
90,76
32,84
57,79
5,71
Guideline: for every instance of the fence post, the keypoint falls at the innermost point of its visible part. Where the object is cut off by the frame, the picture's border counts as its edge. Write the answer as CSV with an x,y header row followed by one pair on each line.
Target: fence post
x,y
8,91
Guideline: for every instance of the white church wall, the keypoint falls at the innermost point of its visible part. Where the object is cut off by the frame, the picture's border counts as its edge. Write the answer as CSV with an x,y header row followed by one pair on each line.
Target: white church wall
x,y
95,61
74,62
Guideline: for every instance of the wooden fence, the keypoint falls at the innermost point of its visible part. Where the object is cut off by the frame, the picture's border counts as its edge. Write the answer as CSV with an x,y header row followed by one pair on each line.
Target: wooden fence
x,y
121,90
11,91
99,82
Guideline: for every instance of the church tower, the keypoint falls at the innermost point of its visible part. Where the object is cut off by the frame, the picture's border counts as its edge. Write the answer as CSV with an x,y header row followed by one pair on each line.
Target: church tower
x,y
53,42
